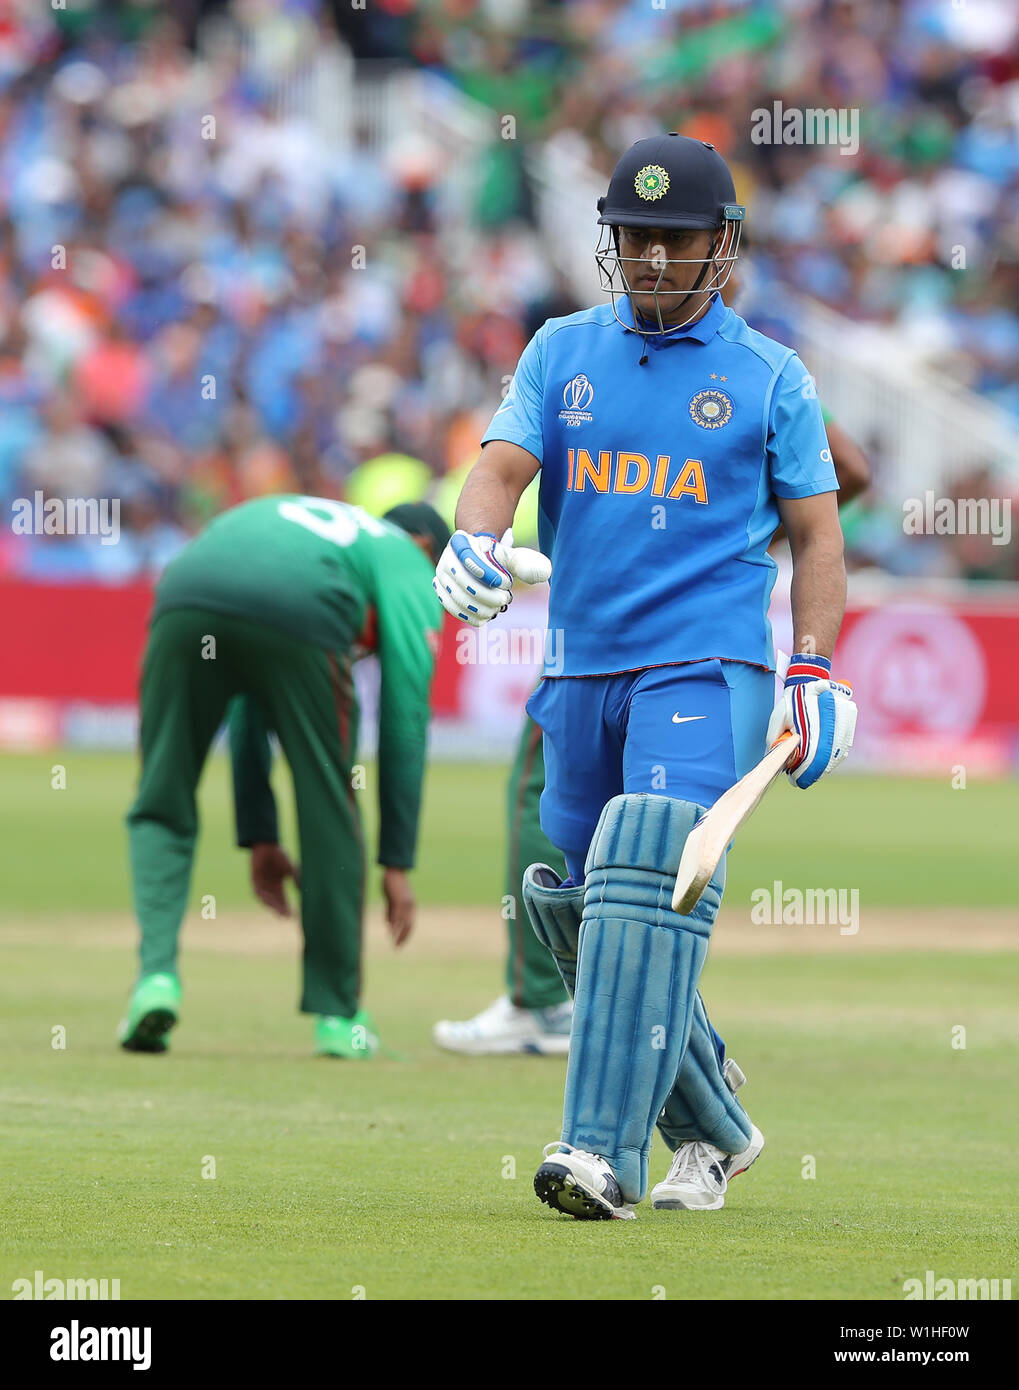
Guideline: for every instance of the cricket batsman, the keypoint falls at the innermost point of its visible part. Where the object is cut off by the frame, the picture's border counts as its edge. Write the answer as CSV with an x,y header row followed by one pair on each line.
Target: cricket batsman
x,y
672,441
534,1015
266,611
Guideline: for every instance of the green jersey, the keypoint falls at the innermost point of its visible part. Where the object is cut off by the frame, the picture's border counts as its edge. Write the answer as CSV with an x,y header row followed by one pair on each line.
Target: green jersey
x,y
333,576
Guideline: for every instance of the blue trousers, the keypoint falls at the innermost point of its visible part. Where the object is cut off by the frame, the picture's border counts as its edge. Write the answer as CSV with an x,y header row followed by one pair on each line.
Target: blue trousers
x,y
686,731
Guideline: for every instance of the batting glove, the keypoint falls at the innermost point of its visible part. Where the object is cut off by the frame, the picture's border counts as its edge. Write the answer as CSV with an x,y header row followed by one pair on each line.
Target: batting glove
x,y
820,713
475,574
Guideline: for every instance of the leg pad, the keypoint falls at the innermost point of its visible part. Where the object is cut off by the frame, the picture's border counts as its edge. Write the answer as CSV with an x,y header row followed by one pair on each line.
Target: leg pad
x,y
555,914
702,1104
636,985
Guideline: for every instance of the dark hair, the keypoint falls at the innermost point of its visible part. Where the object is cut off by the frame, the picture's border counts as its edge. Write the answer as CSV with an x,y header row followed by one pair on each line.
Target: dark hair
x,y
420,519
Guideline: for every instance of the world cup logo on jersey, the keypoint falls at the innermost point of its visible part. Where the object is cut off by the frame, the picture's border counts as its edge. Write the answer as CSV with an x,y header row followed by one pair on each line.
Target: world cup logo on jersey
x,y
577,396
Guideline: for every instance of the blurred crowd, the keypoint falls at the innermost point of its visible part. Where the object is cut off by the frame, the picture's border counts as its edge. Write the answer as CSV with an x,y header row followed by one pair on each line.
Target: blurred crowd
x,y
218,282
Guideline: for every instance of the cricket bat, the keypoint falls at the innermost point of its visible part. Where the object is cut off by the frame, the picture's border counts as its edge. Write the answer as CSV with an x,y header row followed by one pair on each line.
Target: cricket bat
x,y
707,841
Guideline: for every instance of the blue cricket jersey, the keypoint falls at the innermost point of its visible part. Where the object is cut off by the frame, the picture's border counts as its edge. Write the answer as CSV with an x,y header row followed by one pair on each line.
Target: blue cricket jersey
x,y
658,487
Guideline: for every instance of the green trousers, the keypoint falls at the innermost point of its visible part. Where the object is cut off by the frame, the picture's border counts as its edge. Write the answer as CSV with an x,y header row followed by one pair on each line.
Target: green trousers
x,y
306,695
532,976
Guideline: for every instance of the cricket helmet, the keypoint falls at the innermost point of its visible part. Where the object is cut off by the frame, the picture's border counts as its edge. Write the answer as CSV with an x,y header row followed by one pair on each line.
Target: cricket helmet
x,y
674,183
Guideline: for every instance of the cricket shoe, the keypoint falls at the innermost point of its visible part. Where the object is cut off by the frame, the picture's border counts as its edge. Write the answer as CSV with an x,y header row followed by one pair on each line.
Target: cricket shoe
x,y
152,1011
502,1028
581,1184
700,1173
353,1038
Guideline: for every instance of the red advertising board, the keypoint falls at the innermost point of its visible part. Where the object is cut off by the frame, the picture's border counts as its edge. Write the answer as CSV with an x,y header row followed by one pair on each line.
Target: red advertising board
x,y
935,672
73,641
936,681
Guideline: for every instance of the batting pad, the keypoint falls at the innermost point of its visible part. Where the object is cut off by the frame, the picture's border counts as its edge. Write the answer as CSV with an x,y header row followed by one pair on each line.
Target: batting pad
x,y
636,987
701,1104
554,914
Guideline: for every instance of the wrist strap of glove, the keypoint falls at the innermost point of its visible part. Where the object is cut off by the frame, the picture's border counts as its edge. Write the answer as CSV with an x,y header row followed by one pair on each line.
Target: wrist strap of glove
x,y
804,668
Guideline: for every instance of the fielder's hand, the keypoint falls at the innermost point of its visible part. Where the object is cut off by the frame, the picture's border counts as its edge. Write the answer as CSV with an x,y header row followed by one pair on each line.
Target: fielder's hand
x,y
270,868
400,904
820,712
475,574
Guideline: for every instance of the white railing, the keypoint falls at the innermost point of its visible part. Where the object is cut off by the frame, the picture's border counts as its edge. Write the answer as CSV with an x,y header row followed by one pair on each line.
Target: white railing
x,y
928,429
566,199
423,104
387,109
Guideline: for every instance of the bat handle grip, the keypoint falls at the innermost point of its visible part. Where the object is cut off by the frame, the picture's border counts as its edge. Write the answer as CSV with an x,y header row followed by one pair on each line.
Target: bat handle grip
x,y
786,737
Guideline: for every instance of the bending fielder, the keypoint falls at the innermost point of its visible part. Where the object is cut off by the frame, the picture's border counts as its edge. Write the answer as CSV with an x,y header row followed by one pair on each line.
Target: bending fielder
x,y
672,440
266,611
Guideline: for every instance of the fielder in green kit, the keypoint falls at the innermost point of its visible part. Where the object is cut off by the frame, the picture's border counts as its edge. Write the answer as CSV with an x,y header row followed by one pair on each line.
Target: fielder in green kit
x,y
265,613
534,1014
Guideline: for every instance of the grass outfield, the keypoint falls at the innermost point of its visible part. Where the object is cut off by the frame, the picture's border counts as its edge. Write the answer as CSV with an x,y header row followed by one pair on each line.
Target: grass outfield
x,y
411,1176
900,843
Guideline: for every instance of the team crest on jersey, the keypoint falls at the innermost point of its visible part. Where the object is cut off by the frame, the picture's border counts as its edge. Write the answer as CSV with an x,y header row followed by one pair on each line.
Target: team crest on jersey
x,y
577,396
711,409
651,183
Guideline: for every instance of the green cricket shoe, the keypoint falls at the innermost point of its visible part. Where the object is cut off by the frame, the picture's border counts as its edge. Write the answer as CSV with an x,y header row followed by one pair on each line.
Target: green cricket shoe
x,y
354,1038
152,1012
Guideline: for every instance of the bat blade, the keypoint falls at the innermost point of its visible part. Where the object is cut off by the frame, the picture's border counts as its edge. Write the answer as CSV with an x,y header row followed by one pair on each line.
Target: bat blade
x,y
707,841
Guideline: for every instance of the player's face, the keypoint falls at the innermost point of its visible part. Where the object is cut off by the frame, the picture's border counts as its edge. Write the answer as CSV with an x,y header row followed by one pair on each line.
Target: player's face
x,y
647,252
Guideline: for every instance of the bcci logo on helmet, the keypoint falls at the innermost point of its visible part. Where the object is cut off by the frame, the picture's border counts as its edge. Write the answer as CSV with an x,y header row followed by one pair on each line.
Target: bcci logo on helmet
x,y
577,396
652,183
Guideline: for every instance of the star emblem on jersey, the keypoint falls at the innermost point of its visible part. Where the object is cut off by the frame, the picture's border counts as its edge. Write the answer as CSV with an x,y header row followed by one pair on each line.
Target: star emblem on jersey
x,y
651,183
711,409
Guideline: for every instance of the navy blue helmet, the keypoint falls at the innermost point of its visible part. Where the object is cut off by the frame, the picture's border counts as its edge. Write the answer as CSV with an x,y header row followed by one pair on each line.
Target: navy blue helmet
x,y
675,184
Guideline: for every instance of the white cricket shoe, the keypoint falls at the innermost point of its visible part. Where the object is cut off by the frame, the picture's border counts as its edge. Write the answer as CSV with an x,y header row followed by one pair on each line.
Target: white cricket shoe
x,y
700,1173
502,1028
581,1184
